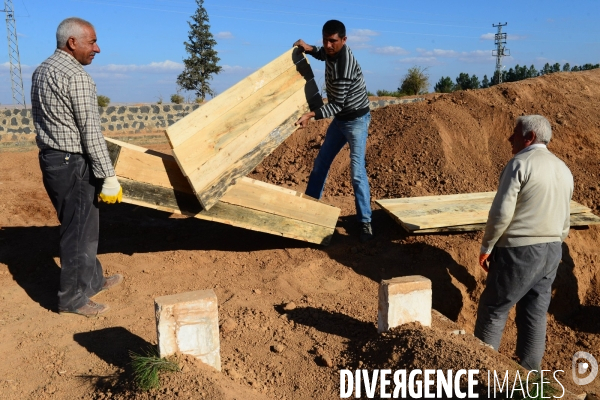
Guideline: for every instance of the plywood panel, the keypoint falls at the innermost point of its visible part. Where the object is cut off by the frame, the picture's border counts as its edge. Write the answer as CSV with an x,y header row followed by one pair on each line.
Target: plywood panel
x,y
217,145
448,213
200,118
153,180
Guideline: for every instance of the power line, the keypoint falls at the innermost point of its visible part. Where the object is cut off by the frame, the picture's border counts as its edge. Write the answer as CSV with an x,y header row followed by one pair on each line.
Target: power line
x,y
501,50
16,80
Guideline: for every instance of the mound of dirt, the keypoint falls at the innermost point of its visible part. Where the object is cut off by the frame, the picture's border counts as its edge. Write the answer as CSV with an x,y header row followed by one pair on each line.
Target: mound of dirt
x,y
292,314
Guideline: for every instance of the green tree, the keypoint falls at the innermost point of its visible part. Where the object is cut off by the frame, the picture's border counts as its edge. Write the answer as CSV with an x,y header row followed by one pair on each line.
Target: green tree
x,y
464,82
444,85
566,67
532,72
556,67
546,70
103,101
485,82
202,62
416,81
177,98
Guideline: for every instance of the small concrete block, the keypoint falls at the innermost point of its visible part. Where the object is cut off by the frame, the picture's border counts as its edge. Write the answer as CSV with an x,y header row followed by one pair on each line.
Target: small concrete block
x,y
403,300
189,323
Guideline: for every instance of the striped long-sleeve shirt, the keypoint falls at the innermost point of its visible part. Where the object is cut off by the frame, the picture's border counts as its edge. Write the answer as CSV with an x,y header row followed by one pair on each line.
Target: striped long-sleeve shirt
x,y
346,89
65,111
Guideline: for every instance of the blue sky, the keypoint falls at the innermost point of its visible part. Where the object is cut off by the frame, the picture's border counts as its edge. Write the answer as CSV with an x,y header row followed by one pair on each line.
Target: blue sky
x,y
141,41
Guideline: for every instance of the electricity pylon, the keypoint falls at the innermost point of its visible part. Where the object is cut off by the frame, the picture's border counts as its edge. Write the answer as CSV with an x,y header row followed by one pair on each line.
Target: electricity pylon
x,y
16,80
501,50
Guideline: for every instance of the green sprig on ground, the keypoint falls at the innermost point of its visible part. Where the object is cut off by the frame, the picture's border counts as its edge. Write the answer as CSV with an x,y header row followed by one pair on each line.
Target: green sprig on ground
x,y
147,368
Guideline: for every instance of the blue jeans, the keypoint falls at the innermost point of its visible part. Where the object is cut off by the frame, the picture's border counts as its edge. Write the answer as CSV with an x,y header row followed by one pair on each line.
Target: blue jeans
x,y
73,191
339,133
523,276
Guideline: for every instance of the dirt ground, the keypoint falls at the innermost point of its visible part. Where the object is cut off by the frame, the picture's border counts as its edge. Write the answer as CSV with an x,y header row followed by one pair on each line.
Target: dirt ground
x,y
294,314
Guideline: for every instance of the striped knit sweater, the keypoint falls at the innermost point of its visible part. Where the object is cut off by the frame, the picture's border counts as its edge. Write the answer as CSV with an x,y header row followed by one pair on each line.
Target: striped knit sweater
x,y
346,89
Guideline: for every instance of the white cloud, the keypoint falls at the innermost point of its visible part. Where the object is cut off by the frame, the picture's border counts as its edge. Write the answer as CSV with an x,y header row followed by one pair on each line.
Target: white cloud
x,y
24,67
360,38
419,60
438,53
153,67
235,69
390,50
224,35
476,56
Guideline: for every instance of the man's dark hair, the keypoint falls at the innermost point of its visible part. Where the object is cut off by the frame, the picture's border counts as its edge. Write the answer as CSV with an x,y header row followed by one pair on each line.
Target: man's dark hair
x,y
334,26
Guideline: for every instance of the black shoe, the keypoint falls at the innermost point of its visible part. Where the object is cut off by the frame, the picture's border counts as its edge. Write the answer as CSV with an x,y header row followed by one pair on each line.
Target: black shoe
x,y
366,232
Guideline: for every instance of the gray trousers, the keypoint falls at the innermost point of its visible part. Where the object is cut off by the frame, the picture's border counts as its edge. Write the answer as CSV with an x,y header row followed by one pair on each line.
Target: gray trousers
x,y
73,191
522,276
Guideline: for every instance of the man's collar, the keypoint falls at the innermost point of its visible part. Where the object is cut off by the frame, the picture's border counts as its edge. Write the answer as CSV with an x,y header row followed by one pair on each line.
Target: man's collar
x,y
532,147
63,53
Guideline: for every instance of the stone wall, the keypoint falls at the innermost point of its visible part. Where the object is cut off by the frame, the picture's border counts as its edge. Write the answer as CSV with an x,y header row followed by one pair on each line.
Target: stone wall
x,y
142,123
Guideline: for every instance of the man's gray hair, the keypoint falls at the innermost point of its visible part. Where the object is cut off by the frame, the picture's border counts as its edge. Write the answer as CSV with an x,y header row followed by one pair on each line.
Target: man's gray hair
x,y
70,27
538,124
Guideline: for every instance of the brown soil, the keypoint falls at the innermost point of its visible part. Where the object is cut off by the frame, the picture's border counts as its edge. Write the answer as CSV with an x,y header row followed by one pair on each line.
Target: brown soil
x,y
272,349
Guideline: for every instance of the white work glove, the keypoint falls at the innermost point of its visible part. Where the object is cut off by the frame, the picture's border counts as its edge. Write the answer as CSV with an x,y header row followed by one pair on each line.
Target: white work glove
x,y
111,190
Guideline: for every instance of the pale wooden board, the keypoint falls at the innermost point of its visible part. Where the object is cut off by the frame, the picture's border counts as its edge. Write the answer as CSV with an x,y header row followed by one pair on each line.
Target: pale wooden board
x,y
460,212
153,180
577,221
226,138
185,128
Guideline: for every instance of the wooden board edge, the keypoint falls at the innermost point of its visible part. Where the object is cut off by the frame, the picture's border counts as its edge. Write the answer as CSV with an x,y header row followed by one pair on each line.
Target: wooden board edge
x,y
246,164
163,199
297,58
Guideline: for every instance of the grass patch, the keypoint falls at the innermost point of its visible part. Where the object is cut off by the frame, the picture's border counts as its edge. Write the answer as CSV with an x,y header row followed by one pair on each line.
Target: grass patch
x,y
147,368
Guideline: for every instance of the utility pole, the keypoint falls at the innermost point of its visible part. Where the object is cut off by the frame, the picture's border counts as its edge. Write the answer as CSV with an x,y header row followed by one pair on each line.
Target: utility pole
x,y
501,50
16,80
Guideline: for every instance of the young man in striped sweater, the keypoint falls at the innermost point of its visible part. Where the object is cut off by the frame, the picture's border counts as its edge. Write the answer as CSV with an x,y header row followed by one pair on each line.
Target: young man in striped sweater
x,y
348,103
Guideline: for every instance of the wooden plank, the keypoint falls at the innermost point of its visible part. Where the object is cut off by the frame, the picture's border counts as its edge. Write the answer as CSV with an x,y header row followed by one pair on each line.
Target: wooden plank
x,y
258,197
220,132
456,213
429,212
577,220
447,197
215,176
153,179
167,200
185,128
214,149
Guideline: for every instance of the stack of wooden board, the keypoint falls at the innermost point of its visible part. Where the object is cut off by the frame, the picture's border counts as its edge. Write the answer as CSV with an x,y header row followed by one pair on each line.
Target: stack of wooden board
x,y
229,136
221,142
458,212
152,179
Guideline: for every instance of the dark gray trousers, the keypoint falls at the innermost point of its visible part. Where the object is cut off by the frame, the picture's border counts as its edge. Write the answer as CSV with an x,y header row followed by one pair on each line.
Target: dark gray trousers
x,y
73,191
522,276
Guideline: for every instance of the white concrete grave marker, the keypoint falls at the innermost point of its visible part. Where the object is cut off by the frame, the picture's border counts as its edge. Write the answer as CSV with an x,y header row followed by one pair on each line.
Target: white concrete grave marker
x,y
402,300
189,323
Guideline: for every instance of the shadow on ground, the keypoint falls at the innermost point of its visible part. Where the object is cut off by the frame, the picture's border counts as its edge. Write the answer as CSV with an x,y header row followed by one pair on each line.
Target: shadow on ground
x,y
113,346
392,253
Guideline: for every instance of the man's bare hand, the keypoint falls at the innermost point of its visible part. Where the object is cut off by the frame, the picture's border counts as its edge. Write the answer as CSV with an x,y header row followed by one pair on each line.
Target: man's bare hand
x,y
483,262
303,120
302,45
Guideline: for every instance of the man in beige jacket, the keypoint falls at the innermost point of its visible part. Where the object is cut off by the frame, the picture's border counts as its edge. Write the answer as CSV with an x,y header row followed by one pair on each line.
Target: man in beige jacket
x,y
527,223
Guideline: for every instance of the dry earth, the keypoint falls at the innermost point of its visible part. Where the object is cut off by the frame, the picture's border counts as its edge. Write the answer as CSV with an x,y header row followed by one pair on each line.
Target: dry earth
x,y
294,314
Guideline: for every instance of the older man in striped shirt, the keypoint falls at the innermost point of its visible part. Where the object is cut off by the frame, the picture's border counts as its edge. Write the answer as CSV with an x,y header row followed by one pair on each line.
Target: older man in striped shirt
x,y
348,103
